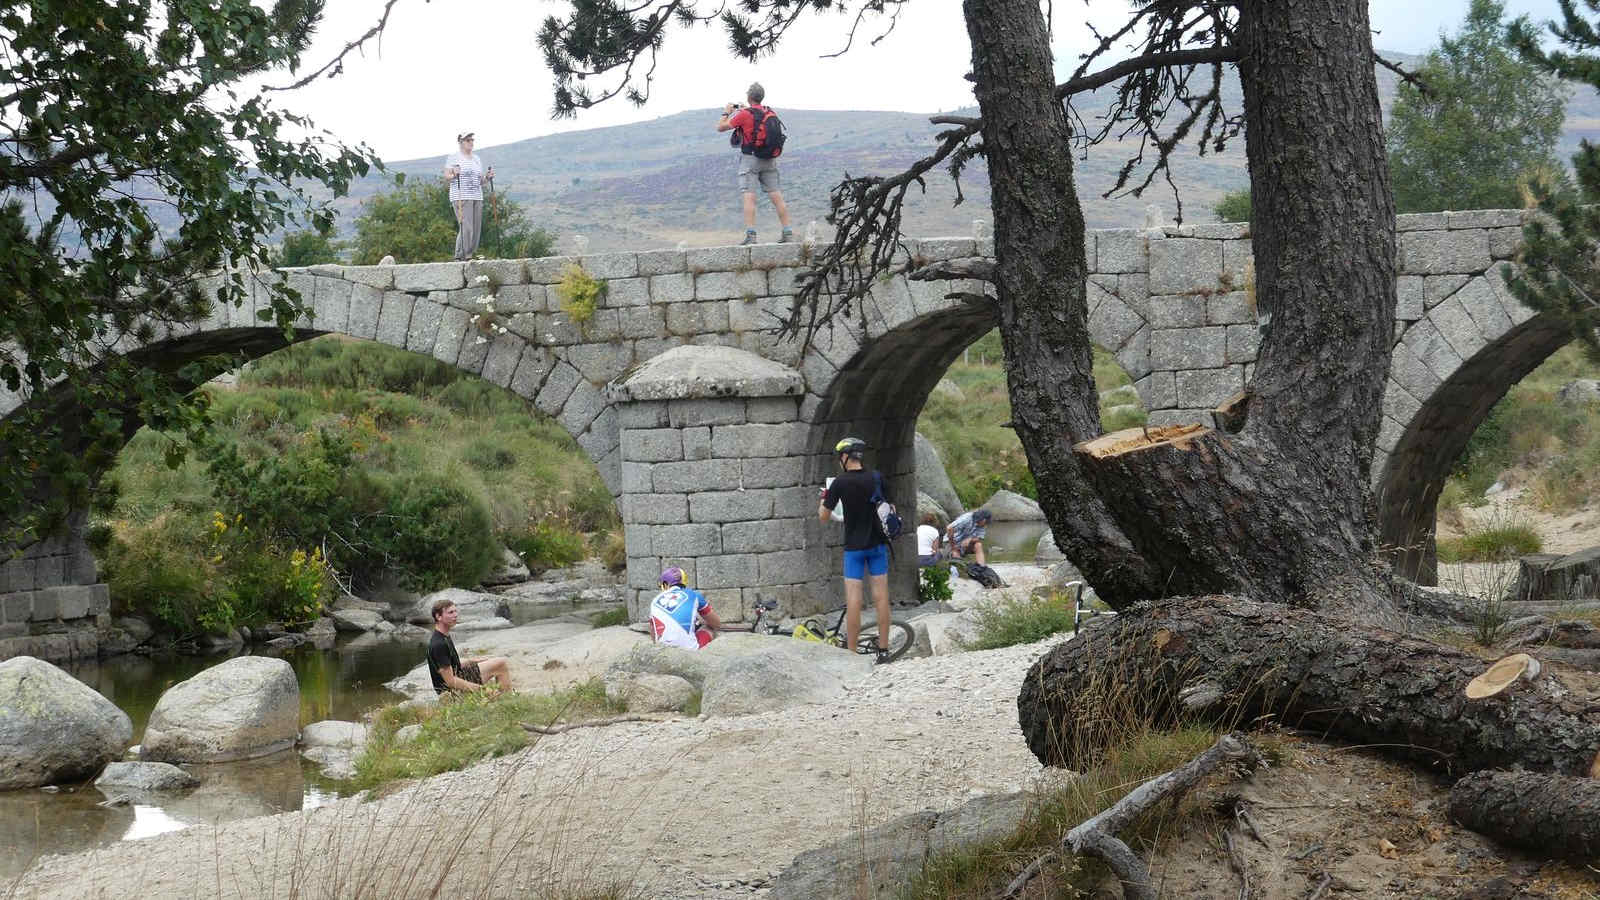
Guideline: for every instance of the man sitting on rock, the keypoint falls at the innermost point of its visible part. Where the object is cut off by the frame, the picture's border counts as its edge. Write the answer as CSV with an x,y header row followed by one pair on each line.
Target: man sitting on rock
x,y
445,667
965,535
930,552
679,611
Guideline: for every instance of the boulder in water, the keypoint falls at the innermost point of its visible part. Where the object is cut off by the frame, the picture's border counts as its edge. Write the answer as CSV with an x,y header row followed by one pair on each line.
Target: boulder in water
x,y
471,606
54,727
143,778
246,707
511,570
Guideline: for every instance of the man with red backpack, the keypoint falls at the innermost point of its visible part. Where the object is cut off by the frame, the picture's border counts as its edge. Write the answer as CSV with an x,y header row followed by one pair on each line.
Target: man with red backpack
x,y
759,137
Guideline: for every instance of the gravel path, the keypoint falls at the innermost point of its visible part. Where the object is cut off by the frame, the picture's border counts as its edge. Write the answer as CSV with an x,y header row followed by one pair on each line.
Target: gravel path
x,y
690,808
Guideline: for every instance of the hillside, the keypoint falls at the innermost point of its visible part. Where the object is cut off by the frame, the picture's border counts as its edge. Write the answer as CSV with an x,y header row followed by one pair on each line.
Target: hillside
x,y
671,179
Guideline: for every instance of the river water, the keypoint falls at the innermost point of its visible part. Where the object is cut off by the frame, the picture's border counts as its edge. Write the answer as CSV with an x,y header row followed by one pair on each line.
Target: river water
x,y
340,682
1012,541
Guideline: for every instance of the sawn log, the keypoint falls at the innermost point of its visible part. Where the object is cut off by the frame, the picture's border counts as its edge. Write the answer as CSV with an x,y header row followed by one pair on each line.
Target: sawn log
x,y
1550,815
1234,661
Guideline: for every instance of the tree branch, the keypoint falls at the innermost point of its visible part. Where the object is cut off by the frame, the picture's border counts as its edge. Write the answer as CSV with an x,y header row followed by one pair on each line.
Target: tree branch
x,y
1224,54
65,159
1097,836
336,64
980,268
1410,78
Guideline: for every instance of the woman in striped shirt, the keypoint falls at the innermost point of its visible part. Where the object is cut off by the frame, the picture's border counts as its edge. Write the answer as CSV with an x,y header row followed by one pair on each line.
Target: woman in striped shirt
x,y
467,174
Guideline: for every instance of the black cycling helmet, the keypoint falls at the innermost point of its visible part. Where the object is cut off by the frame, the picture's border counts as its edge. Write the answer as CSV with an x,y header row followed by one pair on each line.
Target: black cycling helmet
x,y
852,447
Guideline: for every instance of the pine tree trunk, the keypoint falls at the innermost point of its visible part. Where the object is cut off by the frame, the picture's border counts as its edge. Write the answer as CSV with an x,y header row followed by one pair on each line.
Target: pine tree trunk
x,y
1280,507
1040,271
1550,815
1232,661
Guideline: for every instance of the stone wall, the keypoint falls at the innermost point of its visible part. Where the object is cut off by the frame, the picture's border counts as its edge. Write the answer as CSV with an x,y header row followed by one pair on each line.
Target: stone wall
x,y
52,601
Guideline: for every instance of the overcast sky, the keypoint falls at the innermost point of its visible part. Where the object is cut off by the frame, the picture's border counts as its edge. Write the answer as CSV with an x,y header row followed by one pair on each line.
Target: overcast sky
x,y
453,64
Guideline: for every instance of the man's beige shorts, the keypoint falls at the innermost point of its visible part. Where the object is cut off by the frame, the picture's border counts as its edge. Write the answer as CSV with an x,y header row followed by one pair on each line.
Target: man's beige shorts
x,y
753,169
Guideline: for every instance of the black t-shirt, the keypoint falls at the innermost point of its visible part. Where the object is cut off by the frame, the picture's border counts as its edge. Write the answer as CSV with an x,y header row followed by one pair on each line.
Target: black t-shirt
x,y
854,489
442,654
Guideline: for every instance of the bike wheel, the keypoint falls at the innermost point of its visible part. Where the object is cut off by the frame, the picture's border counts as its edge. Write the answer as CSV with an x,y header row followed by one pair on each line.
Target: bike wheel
x,y
901,639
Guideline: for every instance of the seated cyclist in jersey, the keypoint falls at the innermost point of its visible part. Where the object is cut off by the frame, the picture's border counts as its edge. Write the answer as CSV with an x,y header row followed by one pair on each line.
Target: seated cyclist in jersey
x,y
678,613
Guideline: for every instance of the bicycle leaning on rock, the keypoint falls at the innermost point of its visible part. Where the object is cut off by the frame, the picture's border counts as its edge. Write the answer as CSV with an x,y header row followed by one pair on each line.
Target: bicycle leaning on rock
x,y
901,636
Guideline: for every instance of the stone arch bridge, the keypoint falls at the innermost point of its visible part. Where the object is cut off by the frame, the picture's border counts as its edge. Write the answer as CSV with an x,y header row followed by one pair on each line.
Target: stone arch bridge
x,y
714,436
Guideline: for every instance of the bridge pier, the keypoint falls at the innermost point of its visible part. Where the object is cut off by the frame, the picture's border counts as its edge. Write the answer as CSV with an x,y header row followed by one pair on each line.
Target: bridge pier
x,y
52,602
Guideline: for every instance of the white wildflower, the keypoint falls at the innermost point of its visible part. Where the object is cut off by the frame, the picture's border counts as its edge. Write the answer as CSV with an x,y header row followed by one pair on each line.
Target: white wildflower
x,y
475,320
481,279
480,339
500,329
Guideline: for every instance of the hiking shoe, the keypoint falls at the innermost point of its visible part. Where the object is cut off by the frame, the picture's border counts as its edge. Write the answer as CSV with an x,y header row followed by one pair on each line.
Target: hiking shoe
x,y
880,658
788,236
749,238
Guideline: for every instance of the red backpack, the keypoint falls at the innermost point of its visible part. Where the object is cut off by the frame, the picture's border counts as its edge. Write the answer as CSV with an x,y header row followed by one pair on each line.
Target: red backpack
x,y
767,136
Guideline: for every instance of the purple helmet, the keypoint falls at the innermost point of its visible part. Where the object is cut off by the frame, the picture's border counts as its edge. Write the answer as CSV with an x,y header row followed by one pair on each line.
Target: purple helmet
x,y
672,575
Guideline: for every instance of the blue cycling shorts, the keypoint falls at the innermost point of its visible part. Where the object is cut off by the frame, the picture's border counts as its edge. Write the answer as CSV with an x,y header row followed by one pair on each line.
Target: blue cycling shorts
x,y
871,561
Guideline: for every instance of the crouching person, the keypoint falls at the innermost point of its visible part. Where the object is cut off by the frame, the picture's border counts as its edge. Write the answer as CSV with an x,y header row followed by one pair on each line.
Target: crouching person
x,y
446,668
680,615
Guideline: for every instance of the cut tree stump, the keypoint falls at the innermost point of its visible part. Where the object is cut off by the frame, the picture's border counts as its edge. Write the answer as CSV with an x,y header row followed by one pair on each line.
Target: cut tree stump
x,y
1167,485
1326,675
1548,578
1502,675
1549,815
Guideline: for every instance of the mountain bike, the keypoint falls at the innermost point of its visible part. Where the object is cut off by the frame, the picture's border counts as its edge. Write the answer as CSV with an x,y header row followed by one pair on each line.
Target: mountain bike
x,y
901,636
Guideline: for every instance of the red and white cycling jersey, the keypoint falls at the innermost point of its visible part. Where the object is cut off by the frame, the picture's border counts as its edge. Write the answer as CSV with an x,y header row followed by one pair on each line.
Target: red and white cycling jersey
x,y
675,616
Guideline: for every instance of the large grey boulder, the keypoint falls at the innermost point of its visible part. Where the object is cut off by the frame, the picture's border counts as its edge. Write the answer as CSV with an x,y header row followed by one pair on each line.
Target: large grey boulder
x,y
878,862
471,605
1046,553
246,707
54,727
356,620
739,673
512,570
333,733
643,692
926,504
1008,506
933,480
1581,392
121,778
944,633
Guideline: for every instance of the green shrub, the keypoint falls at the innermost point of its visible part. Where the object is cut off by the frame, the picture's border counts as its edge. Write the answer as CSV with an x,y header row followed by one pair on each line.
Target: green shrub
x,y
197,577
488,455
581,295
616,616
546,544
614,552
933,584
1021,621
432,534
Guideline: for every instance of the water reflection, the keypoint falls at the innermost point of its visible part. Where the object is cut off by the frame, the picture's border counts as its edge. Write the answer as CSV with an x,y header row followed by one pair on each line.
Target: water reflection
x,y
338,683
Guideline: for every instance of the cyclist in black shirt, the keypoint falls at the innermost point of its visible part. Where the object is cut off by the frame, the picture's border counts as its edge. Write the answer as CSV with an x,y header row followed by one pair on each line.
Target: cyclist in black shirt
x,y
866,550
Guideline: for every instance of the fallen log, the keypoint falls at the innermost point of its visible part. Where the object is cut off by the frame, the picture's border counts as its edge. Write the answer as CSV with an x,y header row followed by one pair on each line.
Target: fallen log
x,y
1233,661
1097,836
1551,815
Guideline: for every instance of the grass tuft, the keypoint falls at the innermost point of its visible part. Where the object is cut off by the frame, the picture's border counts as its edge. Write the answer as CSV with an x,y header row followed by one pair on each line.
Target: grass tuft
x,y
1015,620
462,730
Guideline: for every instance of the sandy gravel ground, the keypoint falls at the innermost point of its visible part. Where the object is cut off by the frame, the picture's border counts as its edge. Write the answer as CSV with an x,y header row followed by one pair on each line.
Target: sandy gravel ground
x,y
690,808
